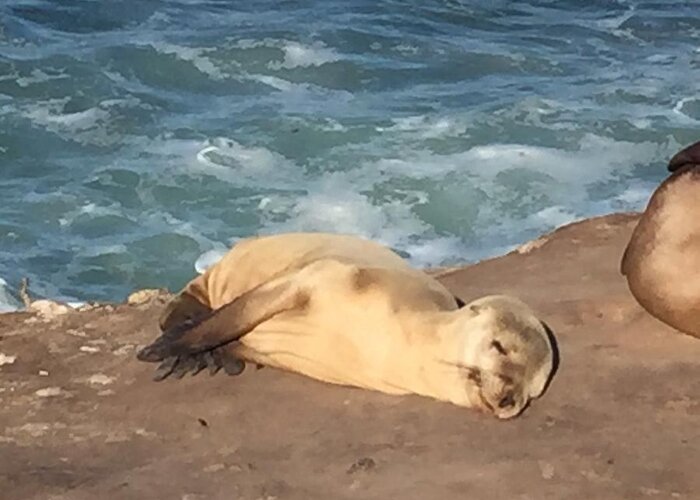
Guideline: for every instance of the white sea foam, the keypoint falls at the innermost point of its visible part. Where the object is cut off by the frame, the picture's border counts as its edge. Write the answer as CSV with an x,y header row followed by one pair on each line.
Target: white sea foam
x,y
300,55
436,250
427,127
208,259
47,113
277,83
330,125
333,204
90,209
195,56
295,54
597,158
679,109
38,76
405,48
222,157
233,162
89,126
95,250
635,196
338,201
613,23
8,302
302,97
551,217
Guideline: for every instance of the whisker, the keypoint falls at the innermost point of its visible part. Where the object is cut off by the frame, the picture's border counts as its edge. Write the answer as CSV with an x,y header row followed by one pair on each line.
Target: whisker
x,y
471,372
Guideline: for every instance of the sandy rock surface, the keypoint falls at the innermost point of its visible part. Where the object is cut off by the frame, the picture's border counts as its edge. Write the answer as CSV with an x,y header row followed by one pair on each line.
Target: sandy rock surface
x,y
80,418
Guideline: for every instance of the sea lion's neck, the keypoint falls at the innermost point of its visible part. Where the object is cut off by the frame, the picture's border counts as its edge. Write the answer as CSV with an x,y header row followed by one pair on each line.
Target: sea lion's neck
x,y
446,360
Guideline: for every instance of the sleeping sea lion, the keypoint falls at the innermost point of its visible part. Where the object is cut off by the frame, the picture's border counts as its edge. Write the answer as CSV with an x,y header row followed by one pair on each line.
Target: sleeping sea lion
x,y
662,260
349,311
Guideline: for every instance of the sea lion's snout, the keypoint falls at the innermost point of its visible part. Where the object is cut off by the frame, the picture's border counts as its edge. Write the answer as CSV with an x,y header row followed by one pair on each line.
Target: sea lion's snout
x,y
505,401
510,412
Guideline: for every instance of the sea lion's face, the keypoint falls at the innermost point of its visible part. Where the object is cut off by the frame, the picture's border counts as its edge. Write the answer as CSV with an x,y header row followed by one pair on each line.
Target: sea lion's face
x,y
508,355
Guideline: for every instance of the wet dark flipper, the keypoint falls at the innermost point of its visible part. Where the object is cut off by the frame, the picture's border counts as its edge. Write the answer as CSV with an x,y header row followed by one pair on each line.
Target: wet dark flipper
x,y
228,323
165,369
184,366
184,308
200,364
233,366
211,363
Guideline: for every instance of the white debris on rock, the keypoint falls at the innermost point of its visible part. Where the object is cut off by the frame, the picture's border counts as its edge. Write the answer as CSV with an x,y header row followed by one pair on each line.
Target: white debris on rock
x,y
89,348
48,392
125,349
6,359
532,245
214,468
100,379
547,470
48,309
87,306
144,296
35,429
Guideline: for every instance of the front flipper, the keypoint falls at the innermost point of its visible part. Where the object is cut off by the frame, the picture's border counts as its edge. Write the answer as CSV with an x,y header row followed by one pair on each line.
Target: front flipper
x,y
230,322
183,309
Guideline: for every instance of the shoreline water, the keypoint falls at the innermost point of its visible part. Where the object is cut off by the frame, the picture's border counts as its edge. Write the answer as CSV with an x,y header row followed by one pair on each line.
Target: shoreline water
x,y
10,302
135,139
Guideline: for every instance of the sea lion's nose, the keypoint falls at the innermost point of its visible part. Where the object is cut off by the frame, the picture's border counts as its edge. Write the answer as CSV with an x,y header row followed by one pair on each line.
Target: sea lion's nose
x,y
507,400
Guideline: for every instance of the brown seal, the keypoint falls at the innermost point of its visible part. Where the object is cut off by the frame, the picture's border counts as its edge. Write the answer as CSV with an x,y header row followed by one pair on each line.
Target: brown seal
x,y
349,311
662,260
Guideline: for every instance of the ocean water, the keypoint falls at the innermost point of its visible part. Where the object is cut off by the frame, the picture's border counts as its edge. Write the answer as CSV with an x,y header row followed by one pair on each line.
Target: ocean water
x,y
141,138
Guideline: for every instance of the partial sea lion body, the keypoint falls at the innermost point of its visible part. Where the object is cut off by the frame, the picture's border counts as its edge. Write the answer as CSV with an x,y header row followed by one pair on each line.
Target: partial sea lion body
x,y
662,260
348,311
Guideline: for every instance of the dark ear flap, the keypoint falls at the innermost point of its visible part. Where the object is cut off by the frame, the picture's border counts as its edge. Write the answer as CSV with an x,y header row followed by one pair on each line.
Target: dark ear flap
x,y
687,156
184,308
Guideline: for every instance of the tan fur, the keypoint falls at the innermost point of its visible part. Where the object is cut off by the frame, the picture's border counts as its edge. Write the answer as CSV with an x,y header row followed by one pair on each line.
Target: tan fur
x,y
348,311
662,260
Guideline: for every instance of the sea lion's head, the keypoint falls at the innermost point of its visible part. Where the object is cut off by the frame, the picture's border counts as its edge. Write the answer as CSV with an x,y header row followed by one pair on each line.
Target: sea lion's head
x,y
509,355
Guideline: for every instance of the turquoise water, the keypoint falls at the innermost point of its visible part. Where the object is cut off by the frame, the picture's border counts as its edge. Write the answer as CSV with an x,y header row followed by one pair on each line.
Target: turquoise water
x,y
138,136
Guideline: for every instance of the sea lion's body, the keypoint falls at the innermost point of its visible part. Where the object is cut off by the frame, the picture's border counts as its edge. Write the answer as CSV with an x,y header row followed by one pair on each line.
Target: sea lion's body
x,y
302,341
662,260
348,311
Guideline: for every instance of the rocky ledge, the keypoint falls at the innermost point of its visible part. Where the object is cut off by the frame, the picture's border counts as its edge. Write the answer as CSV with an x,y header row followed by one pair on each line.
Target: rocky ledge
x,y
80,418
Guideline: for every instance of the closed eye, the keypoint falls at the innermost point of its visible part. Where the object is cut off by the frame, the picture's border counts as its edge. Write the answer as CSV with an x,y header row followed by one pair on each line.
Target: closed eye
x,y
499,347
